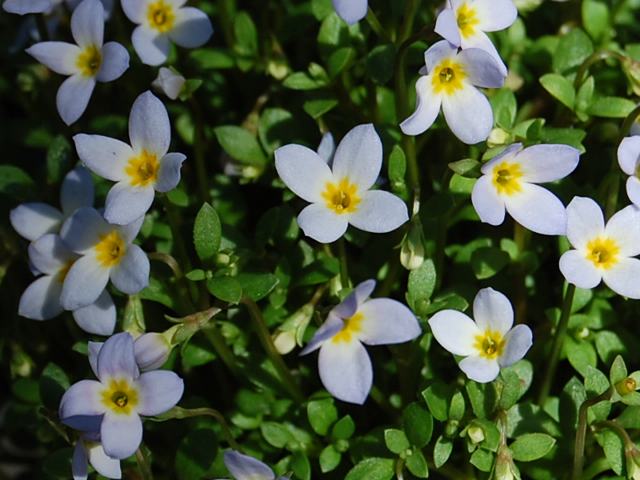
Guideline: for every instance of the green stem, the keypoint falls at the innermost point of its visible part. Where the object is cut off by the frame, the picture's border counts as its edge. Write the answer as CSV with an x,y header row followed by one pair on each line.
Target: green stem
x,y
200,151
558,341
581,433
143,465
376,26
591,60
622,433
400,469
223,351
628,123
344,265
410,11
267,343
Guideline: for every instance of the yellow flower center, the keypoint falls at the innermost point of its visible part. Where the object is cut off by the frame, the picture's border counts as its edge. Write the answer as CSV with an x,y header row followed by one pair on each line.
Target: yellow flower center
x,y
467,19
489,344
603,252
89,61
120,396
142,169
351,327
62,273
506,178
341,197
448,76
161,16
110,249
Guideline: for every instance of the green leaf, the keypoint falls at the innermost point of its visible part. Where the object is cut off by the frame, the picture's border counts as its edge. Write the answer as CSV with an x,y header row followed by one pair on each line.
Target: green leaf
x,y
207,233
483,398
608,345
246,36
572,50
580,353
396,440
595,383
595,18
276,434
227,289
442,451
212,58
488,261
322,414
560,88
531,446
618,371
467,167
380,63
257,285
240,145
517,380
329,459
372,469
339,60
613,448
195,455
611,107
422,282
303,81
437,398
301,466
504,107
53,383
321,104
344,428
417,464
397,170
15,183
482,460
418,425
457,406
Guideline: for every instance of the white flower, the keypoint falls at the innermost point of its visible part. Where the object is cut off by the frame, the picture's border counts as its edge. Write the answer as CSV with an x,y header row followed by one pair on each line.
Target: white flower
x,y
488,343
463,23
629,160
41,299
602,252
169,82
88,450
351,11
85,63
107,253
32,220
340,195
139,169
327,148
344,365
161,21
244,467
23,7
509,182
451,82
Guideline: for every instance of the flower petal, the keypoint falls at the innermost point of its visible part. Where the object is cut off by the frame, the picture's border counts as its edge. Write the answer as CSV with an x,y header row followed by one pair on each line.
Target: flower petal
x,y
537,209
82,399
83,229
117,359
348,307
438,52
578,270
427,108
77,190
126,203
327,148
517,343
160,390
351,11
447,26
495,14
379,212
169,172
73,97
130,232
149,127
93,350
480,41
628,154
245,467
60,57
492,311
547,163
386,321
87,23
104,156
32,220
41,299
303,171
633,190
84,283
482,68
88,424
479,369
454,331
115,61
508,153
624,227
121,435
99,318
359,156
102,463
152,48
321,224
487,203
623,277
332,325
192,28
345,370
79,461
132,273
584,221
468,114
135,10
22,7
48,254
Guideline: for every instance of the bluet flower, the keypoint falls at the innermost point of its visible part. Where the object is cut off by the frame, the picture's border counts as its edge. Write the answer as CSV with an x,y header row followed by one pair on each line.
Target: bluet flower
x,y
629,161
244,467
351,11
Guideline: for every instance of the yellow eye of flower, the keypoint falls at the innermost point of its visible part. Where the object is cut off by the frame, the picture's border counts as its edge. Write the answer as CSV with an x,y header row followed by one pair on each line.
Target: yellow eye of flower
x,y
119,396
489,344
142,169
467,19
110,249
161,16
603,252
352,326
506,178
448,77
89,61
342,197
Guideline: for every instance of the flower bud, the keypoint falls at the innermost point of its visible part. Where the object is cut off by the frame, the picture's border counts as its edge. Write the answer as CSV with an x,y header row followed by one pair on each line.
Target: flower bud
x,y
169,82
412,249
505,469
284,341
631,69
632,455
626,386
498,137
290,333
153,349
475,434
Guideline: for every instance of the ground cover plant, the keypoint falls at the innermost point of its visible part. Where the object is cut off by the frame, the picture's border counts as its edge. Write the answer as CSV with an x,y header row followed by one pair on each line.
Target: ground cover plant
x,y
320,239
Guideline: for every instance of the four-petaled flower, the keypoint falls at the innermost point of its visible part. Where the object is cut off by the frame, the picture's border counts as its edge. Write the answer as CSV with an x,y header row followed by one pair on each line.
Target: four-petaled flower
x,y
161,21
344,365
87,62
602,252
139,169
120,396
488,343
629,160
244,467
451,81
351,11
340,195
509,183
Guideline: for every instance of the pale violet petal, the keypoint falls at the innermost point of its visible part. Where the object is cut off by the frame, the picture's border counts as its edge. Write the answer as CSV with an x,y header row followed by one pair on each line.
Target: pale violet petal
x,y
624,228
379,212
633,190
454,331
83,230
629,154
537,209
132,273
327,330
492,311
348,307
87,23
32,220
327,148
169,171
77,190
88,424
244,467
427,108
121,434
508,153
126,203
149,127
41,299
117,359
93,350
103,464
79,461
135,10
73,97
487,203
494,15
438,52
321,224
192,28
517,343
152,48
60,57
584,221
151,350
479,369
481,68
115,61
169,82
468,114
578,270
104,156
23,7
303,171
48,254
345,370
623,277
386,321
99,318
547,163
358,156
84,283
351,11
82,399
130,232
159,390
447,26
